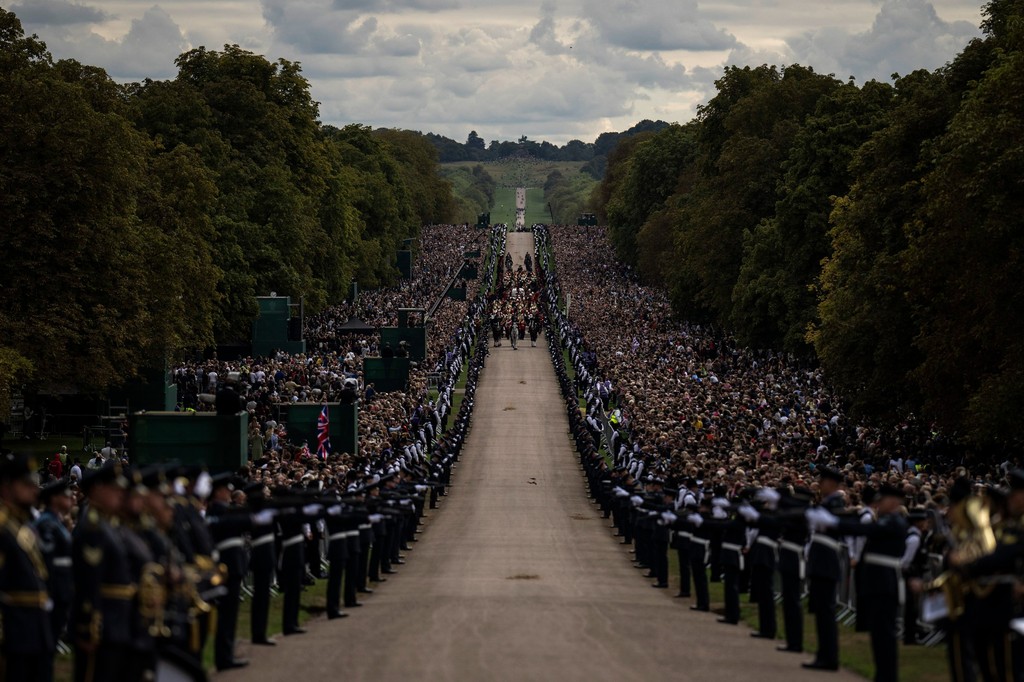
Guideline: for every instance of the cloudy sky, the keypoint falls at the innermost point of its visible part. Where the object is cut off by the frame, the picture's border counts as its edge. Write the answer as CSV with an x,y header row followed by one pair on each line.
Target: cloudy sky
x,y
548,69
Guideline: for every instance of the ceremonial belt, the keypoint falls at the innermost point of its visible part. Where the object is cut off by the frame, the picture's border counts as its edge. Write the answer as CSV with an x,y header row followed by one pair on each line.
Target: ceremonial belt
x,y
29,599
230,543
770,543
342,535
293,540
365,526
62,562
707,546
121,592
799,551
893,562
733,547
263,540
684,534
827,541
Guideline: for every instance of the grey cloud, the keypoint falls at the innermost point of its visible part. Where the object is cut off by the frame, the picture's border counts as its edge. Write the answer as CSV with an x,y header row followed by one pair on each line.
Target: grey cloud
x,y
58,13
313,26
906,35
399,46
647,25
543,32
148,50
395,6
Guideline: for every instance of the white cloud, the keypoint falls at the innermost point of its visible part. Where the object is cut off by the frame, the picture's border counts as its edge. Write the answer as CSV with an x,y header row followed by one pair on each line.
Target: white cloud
x,y
148,50
906,35
549,69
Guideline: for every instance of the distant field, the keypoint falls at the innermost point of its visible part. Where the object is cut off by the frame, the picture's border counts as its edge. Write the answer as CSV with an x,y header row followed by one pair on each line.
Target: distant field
x,y
521,173
530,174
504,209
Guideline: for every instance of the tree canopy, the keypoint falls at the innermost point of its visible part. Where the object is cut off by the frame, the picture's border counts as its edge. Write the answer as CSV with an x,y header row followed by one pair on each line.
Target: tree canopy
x,y
873,228
142,220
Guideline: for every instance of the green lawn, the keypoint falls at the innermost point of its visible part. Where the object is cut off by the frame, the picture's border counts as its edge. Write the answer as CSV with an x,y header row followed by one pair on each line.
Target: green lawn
x,y
917,663
528,173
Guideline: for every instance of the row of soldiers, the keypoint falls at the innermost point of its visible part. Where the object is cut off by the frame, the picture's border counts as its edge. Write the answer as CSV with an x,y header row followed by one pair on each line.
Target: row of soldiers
x,y
156,563
809,543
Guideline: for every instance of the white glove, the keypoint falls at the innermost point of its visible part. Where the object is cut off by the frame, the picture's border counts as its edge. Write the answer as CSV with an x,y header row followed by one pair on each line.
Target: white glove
x,y
619,492
421,488
748,512
820,519
636,500
719,513
668,518
312,509
695,520
720,503
768,496
264,518
376,518
335,510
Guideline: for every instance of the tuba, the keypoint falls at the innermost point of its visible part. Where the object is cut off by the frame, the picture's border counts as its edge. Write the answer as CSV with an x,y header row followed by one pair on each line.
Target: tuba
x,y
972,537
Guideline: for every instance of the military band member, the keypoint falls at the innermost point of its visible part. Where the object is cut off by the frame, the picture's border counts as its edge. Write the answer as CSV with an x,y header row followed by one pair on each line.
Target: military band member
x,y
101,614
27,642
55,544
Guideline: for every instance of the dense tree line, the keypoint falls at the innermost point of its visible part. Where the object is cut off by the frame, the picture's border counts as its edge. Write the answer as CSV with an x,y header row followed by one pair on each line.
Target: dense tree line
x,y
473,189
875,228
141,221
594,154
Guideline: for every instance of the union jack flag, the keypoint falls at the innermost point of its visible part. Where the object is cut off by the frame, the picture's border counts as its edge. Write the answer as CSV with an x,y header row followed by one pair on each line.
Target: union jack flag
x,y
323,440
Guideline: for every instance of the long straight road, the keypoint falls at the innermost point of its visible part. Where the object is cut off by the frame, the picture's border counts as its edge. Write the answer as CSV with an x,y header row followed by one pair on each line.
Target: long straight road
x,y
517,577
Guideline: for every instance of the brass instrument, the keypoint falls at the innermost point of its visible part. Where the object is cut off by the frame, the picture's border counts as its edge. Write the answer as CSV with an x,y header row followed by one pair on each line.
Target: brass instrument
x,y
972,537
153,599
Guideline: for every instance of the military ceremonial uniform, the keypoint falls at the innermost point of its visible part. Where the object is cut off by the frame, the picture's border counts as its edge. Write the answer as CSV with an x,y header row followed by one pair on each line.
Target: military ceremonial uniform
x,y
262,563
226,527
883,587
792,569
25,607
824,573
101,614
55,544
763,559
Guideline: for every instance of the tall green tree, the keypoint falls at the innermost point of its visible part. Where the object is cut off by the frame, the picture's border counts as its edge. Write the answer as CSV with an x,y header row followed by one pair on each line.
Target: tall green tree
x,y
747,132
87,296
774,300
964,261
865,336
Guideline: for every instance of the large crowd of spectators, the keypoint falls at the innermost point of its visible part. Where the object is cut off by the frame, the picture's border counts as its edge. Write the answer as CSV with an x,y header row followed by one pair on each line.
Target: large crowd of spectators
x,y
331,370
690,401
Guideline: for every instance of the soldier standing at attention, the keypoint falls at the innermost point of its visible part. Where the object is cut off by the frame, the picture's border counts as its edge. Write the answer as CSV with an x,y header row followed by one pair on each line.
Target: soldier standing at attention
x,y
883,573
262,560
226,527
101,613
55,544
823,573
27,644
